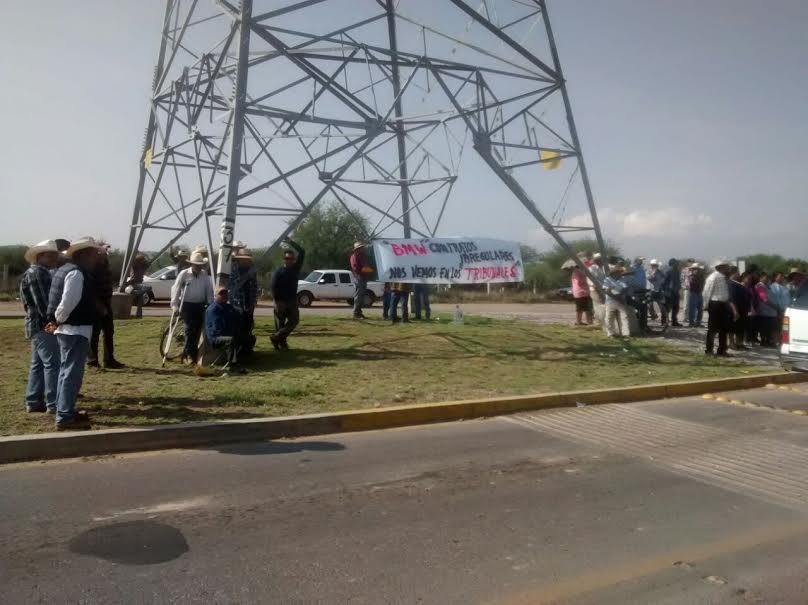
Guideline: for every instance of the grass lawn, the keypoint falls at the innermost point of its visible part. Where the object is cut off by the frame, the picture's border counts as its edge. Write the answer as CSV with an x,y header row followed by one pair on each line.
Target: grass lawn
x,y
340,364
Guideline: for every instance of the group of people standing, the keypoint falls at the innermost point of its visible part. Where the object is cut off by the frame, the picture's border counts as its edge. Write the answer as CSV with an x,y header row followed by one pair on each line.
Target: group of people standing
x,y
66,293
743,308
395,293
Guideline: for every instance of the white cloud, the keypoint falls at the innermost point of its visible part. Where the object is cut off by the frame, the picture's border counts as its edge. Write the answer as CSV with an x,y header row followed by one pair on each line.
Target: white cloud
x,y
666,223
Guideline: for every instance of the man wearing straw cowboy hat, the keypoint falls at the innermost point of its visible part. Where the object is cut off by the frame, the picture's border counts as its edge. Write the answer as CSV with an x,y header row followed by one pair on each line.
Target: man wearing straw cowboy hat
x,y
244,296
361,270
71,316
43,376
191,292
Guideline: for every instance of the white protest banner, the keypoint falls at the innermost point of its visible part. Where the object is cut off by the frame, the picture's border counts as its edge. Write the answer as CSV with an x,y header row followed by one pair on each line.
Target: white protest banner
x,y
448,261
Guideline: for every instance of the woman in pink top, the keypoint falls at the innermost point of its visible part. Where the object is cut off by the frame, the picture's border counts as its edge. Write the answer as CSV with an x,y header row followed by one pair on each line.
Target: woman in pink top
x,y
582,296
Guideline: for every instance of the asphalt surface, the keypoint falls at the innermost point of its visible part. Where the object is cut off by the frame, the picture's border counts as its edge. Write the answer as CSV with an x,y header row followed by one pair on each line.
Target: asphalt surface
x,y
680,501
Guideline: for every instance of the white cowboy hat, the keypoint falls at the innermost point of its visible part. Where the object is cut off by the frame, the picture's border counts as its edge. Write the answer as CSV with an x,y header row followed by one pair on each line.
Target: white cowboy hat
x,y
695,266
569,264
721,262
358,245
197,258
654,262
238,244
80,244
48,245
596,255
243,253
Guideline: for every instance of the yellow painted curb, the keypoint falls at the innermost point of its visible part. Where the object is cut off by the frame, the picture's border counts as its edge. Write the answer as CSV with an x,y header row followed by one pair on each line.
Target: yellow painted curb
x,y
203,434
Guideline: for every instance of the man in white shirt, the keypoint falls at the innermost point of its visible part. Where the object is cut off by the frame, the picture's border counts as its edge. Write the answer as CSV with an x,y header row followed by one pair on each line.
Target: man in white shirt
x,y
596,270
717,303
616,316
72,313
191,293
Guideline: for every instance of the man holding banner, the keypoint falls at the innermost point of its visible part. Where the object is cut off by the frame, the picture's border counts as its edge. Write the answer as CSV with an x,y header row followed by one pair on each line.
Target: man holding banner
x,y
361,271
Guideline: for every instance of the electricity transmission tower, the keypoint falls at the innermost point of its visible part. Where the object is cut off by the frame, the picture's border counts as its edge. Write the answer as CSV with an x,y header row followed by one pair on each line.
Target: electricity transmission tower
x,y
264,108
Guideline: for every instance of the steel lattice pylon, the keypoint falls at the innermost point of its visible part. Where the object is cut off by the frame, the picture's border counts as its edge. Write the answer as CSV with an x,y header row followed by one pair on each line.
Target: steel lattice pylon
x,y
266,110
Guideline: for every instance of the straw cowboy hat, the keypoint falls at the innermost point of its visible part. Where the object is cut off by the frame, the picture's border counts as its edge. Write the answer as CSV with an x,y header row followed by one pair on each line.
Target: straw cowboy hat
x,y
243,253
81,244
695,266
569,264
238,244
796,271
358,245
197,258
720,262
48,245
654,262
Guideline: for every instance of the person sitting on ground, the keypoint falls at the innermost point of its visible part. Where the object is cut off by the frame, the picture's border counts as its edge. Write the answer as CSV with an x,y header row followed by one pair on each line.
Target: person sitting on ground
x,y
221,326
71,316
194,290
35,284
244,296
283,288
102,281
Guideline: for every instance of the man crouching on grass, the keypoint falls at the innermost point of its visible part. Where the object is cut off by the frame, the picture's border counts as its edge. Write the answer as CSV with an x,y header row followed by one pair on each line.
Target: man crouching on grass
x,y
221,323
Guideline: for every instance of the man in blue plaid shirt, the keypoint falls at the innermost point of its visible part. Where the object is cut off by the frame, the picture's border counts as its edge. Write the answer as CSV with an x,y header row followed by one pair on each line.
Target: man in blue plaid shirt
x,y
244,296
43,377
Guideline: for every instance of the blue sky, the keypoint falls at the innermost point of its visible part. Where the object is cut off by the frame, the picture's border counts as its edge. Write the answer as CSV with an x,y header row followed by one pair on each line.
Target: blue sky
x,y
691,116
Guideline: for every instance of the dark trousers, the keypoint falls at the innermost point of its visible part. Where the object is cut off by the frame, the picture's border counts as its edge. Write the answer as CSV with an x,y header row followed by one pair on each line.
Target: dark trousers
x,y
420,299
404,299
228,344
673,305
387,300
193,316
245,330
740,328
766,328
717,323
104,323
638,302
287,316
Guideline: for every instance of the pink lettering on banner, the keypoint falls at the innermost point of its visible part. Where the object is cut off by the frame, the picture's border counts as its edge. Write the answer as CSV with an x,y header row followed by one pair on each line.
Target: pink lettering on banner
x,y
488,273
409,249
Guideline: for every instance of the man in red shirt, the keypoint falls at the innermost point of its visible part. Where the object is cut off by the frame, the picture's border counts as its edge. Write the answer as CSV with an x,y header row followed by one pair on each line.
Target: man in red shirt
x,y
361,270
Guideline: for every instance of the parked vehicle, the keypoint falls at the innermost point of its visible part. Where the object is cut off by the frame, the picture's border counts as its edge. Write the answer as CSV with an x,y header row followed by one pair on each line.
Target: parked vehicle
x,y
158,284
333,284
794,347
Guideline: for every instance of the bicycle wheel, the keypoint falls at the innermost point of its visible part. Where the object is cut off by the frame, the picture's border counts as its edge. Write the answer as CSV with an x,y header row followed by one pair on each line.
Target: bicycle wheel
x,y
172,349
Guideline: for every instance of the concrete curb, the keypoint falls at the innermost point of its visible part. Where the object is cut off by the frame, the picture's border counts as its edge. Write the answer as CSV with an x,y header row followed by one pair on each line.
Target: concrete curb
x,y
199,434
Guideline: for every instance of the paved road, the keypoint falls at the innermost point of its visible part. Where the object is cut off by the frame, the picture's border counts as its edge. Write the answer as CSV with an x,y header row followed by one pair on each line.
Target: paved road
x,y
683,501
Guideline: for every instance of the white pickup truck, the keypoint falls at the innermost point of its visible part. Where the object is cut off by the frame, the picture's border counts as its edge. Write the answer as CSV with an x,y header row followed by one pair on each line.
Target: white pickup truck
x,y
334,284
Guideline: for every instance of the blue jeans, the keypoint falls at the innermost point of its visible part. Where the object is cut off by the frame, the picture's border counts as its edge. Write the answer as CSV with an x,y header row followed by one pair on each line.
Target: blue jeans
x,y
695,309
387,300
420,298
404,299
360,285
73,351
43,378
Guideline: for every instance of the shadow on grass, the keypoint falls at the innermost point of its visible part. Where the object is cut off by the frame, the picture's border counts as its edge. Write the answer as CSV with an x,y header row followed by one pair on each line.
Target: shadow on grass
x,y
265,448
